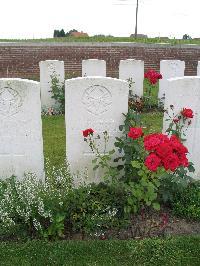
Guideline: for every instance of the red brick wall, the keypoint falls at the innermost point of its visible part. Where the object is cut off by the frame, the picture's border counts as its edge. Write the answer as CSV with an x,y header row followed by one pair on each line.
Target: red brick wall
x,y
22,59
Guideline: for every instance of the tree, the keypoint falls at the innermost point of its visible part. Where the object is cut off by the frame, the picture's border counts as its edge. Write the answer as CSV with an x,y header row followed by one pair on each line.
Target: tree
x,y
56,33
69,32
187,37
62,33
59,33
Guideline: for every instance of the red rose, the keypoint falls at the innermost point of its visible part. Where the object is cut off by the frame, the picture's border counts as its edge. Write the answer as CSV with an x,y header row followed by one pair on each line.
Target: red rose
x,y
187,113
183,159
152,76
177,146
152,141
152,162
164,150
171,162
87,132
135,132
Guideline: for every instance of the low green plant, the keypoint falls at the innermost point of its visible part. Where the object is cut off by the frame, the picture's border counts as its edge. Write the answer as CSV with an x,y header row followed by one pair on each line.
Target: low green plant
x,y
103,158
58,91
148,164
37,205
54,209
186,203
139,183
96,208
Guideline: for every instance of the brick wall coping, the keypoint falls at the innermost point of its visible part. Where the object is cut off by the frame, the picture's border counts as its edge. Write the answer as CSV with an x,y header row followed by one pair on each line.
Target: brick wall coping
x,y
98,44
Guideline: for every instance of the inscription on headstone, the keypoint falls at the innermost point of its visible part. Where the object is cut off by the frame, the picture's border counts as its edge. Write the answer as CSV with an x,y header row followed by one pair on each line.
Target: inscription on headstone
x,y
21,145
96,103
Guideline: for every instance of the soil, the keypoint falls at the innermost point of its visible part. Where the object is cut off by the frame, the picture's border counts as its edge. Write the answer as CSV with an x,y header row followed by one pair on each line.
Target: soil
x,y
162,224
149,224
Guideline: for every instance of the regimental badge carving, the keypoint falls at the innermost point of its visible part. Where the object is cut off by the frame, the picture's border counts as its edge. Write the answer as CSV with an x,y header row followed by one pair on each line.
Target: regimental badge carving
x,y
10,101
51,67
97,99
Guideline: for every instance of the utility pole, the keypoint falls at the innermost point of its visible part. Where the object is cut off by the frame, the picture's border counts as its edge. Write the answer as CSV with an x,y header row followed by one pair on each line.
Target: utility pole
x,y
136,20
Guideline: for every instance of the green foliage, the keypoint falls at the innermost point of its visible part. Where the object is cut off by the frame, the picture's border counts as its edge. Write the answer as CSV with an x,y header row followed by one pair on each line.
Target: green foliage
x,y
180,127
186,203
149,102
143,191
69,32
58,91
39,206
96,208
129,150
55,210
59,33
186,37
102,159
140,184
174,182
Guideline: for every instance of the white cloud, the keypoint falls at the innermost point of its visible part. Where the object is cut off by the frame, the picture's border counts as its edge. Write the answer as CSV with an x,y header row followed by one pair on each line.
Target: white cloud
x,y
38,18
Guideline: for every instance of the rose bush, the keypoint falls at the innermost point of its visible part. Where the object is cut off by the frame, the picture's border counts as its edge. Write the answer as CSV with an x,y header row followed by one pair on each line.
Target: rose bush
x,y
179,123
145,160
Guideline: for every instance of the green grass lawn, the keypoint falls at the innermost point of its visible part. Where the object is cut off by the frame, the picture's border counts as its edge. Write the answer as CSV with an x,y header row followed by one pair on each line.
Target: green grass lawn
x,y
54,139
155,252
106,39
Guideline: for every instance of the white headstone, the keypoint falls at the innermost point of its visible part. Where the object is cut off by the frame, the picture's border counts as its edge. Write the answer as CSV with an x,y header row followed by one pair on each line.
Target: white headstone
x,y
93,67
185,93
49,69
198,69
134,70
96,103
21,143
169,69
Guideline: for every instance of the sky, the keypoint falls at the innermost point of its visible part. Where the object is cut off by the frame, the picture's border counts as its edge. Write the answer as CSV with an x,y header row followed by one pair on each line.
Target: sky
x,y
38,18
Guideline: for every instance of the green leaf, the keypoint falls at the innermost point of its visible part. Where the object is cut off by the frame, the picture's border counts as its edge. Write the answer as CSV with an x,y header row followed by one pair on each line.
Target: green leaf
x,y
191,168
111,152
94,161
140,173
156,206
96,167
117,159
120,167
121,127
136,164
